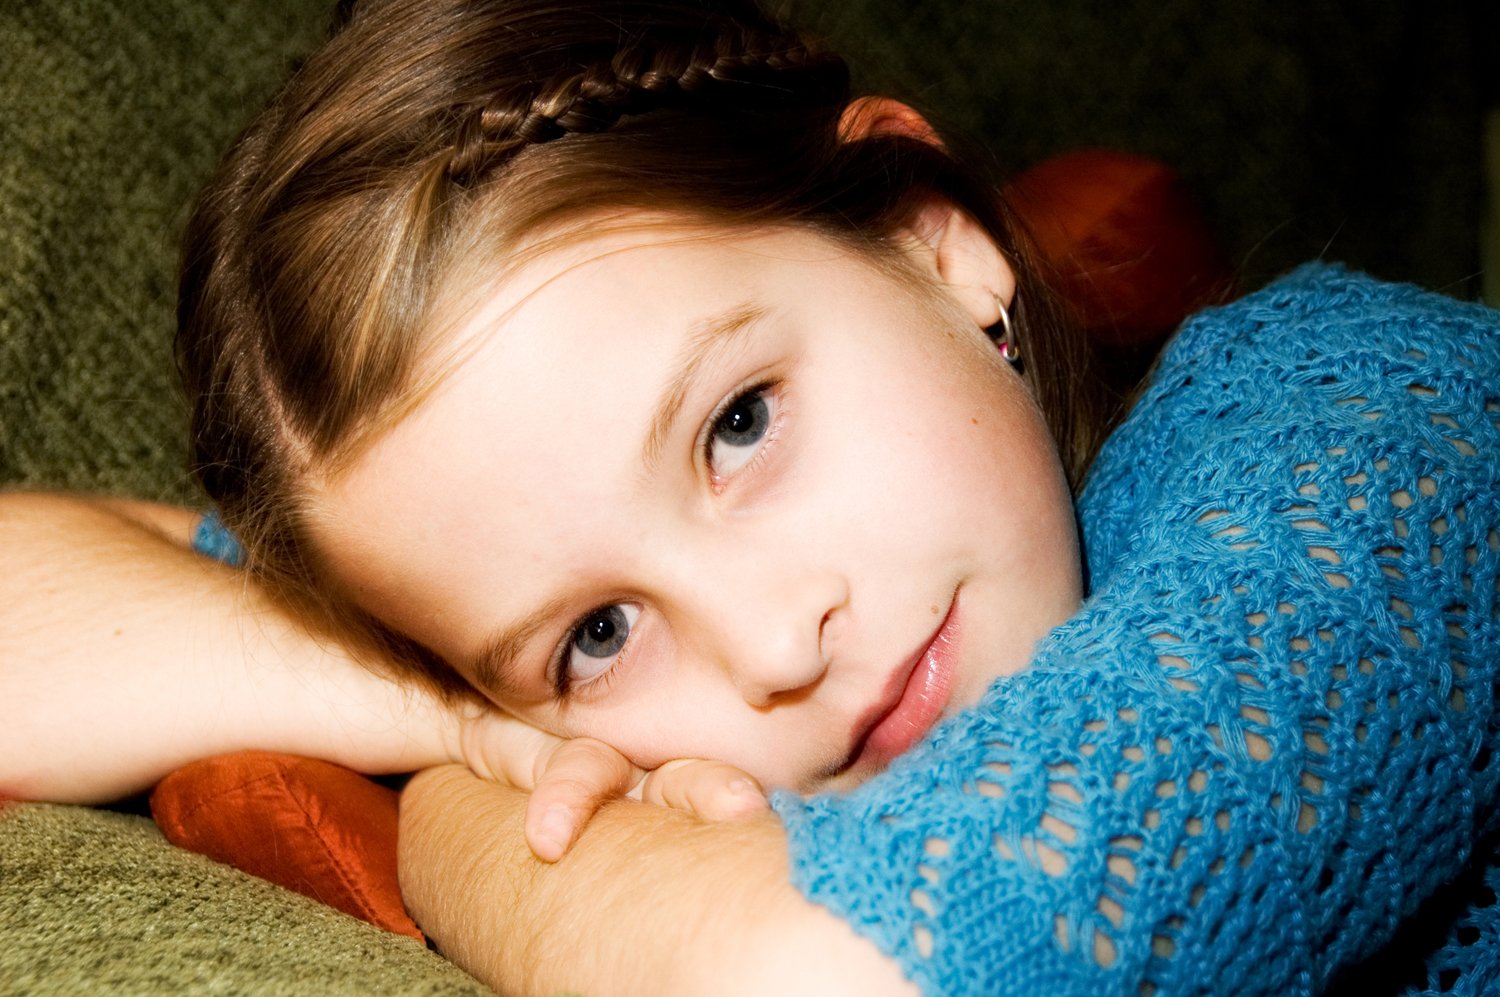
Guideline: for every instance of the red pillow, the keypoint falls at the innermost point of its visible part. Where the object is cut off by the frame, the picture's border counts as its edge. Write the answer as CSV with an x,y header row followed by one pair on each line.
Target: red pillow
x,y
310,826
1133,252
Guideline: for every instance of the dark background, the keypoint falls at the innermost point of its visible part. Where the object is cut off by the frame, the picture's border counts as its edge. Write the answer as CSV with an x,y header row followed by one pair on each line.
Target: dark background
x,y
1347,129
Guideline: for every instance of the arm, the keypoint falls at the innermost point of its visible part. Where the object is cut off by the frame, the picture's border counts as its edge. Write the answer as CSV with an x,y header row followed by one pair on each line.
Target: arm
x,y
698,907
124,655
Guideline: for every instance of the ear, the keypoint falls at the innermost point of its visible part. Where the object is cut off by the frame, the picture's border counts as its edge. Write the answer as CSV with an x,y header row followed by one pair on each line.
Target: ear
x,y
947,240
961,255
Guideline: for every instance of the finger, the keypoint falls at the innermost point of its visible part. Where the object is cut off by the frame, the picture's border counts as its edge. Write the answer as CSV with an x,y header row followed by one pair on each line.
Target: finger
x,y
576,778
711,790
501,748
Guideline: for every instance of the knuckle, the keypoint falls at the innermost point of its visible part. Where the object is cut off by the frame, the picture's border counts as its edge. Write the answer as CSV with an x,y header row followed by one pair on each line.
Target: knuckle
x,y
587,751
570,787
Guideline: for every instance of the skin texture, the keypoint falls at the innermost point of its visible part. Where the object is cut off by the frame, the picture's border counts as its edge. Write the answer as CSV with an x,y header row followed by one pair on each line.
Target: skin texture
x,y
907,472
779,590
647,901
124,566
126,655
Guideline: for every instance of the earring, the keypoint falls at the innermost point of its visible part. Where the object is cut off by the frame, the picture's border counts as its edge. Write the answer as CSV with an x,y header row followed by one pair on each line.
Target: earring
x,y
1010,350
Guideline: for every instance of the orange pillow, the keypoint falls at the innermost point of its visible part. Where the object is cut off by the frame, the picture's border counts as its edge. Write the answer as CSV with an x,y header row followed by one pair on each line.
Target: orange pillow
x,y
1132,251
310,826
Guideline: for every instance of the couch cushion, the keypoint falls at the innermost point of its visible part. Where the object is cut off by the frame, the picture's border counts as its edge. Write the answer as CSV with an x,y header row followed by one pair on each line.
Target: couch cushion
x,y
112,115
98,902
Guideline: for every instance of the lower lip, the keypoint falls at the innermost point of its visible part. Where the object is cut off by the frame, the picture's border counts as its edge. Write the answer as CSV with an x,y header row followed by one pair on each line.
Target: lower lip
x,y
921,703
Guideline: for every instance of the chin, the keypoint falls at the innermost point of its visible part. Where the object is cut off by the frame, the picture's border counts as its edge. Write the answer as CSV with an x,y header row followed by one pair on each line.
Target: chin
x,y
814,778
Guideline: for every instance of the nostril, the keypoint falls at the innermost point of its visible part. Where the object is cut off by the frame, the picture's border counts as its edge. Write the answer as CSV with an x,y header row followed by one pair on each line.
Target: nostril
x,y
833,627
823,636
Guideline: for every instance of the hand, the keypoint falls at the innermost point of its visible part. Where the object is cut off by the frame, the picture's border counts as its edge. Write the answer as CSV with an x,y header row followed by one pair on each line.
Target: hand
x,y
570,779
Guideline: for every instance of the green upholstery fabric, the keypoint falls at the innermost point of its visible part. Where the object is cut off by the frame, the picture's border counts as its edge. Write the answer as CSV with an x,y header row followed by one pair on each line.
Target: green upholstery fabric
x,y
94,902
111,116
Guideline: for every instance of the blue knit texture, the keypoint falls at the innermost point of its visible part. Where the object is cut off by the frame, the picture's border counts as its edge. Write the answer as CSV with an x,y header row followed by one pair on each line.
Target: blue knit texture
x,y
212,538
1269,733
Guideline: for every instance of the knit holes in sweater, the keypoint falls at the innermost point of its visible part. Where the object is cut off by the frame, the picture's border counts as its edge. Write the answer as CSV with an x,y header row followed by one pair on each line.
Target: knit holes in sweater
x,y
1363,538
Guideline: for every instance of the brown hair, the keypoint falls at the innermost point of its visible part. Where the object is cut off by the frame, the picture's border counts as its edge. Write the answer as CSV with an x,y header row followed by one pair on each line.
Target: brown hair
x,y
315,258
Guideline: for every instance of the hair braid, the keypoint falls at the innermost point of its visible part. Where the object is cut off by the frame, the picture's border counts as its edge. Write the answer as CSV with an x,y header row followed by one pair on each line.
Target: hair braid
x,y
740,66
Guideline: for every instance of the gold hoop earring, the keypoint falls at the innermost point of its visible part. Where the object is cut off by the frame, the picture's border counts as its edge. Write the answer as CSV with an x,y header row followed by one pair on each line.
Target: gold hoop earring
x,y
1010,350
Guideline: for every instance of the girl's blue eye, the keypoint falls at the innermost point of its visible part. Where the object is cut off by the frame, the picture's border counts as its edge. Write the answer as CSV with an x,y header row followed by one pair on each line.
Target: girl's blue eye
x,y
597,642
738,431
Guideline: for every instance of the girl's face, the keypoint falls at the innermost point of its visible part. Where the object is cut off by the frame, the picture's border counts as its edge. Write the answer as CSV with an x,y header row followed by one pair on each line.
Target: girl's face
x,y
750,497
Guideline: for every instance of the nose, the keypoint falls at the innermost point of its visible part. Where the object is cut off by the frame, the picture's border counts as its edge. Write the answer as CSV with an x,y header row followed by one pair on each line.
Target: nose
x,y
771,624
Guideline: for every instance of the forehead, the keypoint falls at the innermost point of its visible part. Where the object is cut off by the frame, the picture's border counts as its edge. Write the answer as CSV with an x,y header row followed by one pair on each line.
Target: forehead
x,y
561,294
541,401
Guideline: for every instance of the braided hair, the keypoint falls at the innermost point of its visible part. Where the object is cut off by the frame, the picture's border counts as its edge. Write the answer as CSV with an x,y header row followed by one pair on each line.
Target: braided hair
x,y
734,65
427,134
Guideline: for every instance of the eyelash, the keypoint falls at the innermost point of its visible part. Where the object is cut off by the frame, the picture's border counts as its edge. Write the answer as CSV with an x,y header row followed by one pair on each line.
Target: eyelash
x,y
706,436
565,689
563,684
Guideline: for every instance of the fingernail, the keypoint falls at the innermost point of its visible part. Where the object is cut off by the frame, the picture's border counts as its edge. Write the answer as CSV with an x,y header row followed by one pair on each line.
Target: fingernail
x,y
747,795
556,827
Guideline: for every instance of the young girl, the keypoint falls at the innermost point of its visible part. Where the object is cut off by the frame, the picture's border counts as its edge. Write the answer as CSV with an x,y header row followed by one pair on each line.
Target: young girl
x,y
612,362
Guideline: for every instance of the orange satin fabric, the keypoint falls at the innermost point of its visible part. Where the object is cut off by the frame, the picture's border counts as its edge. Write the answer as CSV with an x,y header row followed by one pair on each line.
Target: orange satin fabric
x,y
310,826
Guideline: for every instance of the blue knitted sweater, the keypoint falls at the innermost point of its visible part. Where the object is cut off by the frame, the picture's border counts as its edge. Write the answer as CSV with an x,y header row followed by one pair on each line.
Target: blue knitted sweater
x,y
1268,736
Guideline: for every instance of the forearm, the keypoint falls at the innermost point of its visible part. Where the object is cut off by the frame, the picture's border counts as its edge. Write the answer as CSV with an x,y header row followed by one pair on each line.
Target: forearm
x,y
648,900
124,655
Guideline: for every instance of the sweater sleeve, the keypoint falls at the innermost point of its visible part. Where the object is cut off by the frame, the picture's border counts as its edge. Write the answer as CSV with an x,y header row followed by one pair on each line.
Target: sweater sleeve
x,y
212,538
1268,734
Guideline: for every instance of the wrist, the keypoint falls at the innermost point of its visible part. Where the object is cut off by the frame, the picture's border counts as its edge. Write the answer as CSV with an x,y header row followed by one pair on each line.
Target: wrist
x,y
324,699
647,899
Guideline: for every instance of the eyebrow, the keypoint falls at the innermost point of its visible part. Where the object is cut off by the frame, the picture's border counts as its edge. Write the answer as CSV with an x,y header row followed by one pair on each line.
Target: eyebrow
x,y
709,337
494,665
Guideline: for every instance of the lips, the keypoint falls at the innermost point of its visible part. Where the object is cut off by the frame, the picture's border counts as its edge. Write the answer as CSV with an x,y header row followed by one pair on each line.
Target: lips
x,y
918,691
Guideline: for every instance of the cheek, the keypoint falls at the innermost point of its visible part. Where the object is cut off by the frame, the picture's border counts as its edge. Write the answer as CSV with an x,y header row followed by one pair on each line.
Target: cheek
x,y
656,710
964,449
1028,519
780,748
701,732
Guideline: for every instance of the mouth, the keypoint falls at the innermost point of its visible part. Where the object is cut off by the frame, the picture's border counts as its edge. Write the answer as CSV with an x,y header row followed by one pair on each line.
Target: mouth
x,y
913,700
